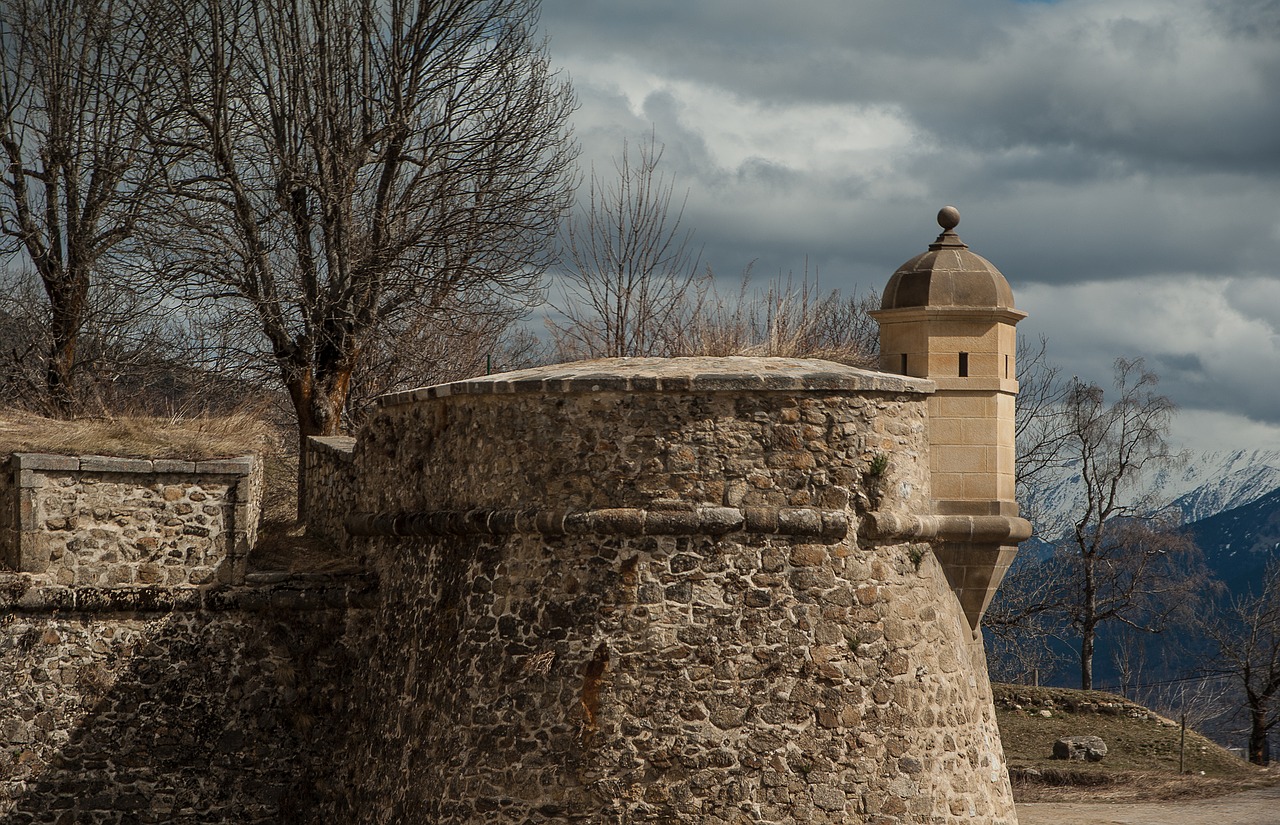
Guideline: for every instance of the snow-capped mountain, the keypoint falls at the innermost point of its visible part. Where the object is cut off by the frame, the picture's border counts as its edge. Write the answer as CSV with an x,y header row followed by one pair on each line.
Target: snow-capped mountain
x,y
1218,481
1237,543
1207,484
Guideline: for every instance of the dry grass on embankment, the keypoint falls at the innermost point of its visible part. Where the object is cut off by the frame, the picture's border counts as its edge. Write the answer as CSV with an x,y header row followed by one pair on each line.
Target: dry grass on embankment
x,y
196,438
1142,751
282,541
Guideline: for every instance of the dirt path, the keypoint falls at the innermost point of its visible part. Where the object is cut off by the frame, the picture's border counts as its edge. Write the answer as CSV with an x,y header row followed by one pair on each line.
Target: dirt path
x,y
1256,807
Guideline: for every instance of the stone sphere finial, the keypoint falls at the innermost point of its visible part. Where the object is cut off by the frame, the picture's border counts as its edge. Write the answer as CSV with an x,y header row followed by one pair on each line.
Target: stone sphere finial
x,y
948,217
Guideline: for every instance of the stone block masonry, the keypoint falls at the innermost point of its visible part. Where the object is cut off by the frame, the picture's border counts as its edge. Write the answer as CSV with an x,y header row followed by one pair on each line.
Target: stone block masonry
x,y
700,590
641,590
100,521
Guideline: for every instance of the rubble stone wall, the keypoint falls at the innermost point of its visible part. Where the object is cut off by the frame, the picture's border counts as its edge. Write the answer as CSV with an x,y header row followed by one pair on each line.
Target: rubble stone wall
x,y
8,519
329,493
102,521
171,705
582,660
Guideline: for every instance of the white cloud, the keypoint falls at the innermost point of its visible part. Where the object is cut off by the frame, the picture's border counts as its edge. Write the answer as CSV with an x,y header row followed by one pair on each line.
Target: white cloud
x,y
1212,358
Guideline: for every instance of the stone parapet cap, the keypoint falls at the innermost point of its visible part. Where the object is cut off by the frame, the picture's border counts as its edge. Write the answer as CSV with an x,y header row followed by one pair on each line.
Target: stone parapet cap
x,y
45,462
953,528
340,446
696,374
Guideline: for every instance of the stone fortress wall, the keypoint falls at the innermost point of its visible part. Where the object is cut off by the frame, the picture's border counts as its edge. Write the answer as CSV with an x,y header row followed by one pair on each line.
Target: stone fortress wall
x,y
676,614
145,675
330,490
637,590
98,520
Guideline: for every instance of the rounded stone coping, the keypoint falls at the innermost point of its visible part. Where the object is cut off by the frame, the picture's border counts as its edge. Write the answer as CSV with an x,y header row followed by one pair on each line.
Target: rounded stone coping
x,y
953,528
810,522
674,375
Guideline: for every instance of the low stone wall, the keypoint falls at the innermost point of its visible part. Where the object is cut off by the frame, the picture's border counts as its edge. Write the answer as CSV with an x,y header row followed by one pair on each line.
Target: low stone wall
x,y
329,493
102,521
8,518
639,591
172,705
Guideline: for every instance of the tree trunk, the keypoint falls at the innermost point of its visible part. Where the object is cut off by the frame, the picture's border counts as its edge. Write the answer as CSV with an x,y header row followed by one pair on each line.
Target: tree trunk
x,y
319,406
1086,659
59,375
1088,625
68,293
1259,747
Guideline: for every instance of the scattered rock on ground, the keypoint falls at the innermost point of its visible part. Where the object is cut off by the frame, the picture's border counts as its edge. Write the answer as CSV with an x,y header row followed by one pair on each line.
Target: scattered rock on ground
x,y
1081,748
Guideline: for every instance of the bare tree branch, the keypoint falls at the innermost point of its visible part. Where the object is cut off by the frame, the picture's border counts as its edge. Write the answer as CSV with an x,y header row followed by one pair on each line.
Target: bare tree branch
x,y
1247,636
76,79
351,169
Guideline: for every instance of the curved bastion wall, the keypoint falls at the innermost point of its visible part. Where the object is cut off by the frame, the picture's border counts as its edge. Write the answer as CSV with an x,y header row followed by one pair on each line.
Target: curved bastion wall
x,y
648,590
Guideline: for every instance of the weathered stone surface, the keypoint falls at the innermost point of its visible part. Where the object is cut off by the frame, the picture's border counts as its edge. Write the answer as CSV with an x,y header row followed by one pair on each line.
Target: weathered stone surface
x,y
188,717
111,464
42,461
608,596
124,522
329,494
584,654
10,506
1080,748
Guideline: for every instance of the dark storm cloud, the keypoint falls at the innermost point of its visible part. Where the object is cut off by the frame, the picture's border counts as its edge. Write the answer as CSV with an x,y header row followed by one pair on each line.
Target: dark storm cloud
x,y
1112,157
1152,82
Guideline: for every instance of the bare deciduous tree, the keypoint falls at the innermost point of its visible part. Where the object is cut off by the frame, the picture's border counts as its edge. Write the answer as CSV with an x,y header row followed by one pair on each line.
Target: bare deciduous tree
x,y
632,282
1120,560
349,168
1040,432
445,346
633,287
76,81
1247,636
129,353
1123,564
1024,621
784,319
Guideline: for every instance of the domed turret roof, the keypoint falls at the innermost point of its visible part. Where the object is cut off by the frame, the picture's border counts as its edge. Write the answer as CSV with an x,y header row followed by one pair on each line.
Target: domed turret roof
x,y
948,275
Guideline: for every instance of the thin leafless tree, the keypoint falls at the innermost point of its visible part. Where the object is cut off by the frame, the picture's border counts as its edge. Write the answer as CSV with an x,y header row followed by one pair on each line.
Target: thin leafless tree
x,y
130,352
1040,432
1247,637
76,87
1121,560
442,347
632,280
784,318
349,168
1024,622
1124,562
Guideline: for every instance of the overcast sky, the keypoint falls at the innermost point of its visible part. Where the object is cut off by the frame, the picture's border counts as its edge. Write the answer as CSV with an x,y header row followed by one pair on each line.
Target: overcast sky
x,y
1118,160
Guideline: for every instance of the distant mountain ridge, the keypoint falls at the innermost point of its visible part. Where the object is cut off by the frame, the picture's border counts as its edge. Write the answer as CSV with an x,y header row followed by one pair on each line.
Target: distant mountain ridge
x,y
1219,481
1207,484
1237,543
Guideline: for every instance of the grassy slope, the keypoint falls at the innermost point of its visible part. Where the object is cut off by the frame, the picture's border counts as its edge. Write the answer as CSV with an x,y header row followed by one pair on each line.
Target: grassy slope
x,y
1142,757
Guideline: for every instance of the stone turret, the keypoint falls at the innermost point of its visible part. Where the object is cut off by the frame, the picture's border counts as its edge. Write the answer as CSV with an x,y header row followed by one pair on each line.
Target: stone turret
x,y
948,315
